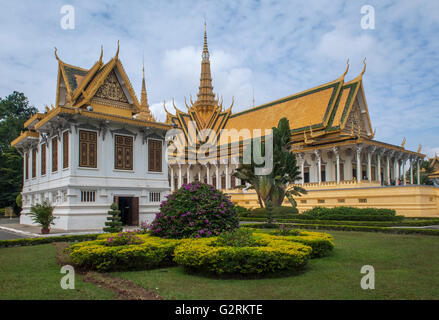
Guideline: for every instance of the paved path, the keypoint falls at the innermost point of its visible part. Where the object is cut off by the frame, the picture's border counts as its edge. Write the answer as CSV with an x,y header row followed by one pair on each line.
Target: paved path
x,y
6,235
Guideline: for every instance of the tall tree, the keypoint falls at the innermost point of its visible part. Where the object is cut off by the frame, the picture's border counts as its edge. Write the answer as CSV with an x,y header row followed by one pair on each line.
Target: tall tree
x,y
14,111
274,187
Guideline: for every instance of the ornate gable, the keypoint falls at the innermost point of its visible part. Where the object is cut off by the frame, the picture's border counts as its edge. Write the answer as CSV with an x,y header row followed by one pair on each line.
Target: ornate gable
x,y
111,90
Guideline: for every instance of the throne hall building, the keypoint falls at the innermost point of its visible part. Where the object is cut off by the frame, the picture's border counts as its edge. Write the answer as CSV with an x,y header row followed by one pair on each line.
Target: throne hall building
x,y
332,136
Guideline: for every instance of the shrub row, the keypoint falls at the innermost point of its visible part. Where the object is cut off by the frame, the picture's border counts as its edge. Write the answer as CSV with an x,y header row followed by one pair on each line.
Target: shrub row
x,y
433,232
43,240
153,252
351,213
269,255
408,223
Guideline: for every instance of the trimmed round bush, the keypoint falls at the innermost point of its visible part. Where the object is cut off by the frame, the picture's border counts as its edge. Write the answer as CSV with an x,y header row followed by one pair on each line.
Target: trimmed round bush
x,y
321,243
268,255
153,252
195,210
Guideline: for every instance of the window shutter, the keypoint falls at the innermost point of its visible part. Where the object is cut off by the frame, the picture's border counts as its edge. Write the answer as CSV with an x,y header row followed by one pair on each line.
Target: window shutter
x,y
65,149
43,159
34,162
55,154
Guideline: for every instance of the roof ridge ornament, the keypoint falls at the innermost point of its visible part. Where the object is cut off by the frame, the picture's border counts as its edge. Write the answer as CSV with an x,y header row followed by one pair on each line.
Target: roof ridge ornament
x,y
364,67
347,68
102,53
117,52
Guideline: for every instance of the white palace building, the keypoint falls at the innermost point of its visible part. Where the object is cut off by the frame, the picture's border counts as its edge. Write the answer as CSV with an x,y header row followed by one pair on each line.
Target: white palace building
x,y
96,146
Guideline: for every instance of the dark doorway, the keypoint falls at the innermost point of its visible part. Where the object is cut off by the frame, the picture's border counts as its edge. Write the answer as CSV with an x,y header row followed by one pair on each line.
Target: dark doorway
x,y
129,210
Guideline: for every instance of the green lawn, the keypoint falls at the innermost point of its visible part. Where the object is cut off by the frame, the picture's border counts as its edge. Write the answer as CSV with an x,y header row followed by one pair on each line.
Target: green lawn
x,y
406,267
33,273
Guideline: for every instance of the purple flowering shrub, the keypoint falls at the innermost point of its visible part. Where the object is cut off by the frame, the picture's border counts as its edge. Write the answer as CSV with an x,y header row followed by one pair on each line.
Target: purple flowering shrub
x,y
195,210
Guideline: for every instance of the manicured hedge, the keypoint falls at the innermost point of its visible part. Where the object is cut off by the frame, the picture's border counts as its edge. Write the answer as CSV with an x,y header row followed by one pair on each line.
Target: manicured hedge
x,y
405,222
43,240
96,255
433,232
351,213
321,243
270,255
277,211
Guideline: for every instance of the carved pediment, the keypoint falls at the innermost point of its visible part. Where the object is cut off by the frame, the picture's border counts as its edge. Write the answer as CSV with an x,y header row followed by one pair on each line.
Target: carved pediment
x,y
111,89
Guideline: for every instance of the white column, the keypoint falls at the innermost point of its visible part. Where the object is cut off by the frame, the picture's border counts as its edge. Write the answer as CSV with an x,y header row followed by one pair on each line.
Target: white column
x,y
188,173
179,176
172,178
228,177
411,170
359,147
418,162
218,182
369,166
337,162
378,169
319,166
302,166
403,171
208,173
388,169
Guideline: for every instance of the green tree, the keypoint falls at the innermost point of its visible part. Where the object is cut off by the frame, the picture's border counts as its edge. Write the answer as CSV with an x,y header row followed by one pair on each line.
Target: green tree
x,y
274,187
14,111
113,223
426,170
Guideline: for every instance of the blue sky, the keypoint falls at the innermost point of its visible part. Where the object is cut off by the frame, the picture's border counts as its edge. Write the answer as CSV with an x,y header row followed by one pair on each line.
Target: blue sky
x,y
271,48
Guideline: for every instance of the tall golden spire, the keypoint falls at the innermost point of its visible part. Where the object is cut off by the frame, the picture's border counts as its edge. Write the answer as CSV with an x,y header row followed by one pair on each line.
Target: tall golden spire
x,y
206,102
145,113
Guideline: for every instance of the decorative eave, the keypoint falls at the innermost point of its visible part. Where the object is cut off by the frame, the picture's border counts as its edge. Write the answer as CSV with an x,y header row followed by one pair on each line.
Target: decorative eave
x,y
348,142
30,123
101,116
26,136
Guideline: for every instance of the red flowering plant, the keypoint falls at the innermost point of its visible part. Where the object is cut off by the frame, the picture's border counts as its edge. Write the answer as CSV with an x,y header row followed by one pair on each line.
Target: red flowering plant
x,y
124,238
195,210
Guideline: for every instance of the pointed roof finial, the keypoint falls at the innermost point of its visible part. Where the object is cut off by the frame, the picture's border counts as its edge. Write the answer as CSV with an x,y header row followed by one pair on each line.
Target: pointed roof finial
x,y
117,52
364,67
102,53
56,55
347,68
205,48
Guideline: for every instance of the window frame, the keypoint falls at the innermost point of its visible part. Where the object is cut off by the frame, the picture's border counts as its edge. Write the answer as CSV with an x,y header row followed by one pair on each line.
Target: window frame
x,y
88,143
43,156
65,162
124,168
54,152
160,170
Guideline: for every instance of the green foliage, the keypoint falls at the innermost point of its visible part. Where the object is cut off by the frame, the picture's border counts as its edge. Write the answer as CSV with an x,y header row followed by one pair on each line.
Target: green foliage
x,y
124,238
14,111
42,213
426,170
195,210
242,237
241,211
19,200
43,240
321,243
431,232
351,213
113,223
153,252
269,255
278,184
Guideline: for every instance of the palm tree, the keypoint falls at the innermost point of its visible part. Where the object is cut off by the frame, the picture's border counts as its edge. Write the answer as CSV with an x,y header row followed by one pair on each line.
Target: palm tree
x,y
279,183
